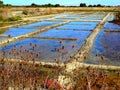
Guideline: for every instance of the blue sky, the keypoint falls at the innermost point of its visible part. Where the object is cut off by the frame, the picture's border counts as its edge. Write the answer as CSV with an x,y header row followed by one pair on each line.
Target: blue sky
x,y
62,2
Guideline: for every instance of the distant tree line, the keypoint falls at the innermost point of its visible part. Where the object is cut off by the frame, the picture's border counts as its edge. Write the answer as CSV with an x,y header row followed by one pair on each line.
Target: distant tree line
x,y
2,4
54,5
58,5
98,5
45,5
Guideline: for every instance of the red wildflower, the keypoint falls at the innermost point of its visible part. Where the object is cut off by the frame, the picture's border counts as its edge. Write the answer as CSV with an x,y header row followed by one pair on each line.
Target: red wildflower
x,y
52,84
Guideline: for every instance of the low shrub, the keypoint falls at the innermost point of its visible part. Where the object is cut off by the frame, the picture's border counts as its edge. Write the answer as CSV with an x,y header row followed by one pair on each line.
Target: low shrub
x,y
14,18
1,18
25,12
119,16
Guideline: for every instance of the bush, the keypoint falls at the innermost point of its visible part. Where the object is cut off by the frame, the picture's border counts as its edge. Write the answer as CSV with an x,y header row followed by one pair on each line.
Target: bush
x,y
119,16
25,12
18,18
1,18
1,3
83,5
14,18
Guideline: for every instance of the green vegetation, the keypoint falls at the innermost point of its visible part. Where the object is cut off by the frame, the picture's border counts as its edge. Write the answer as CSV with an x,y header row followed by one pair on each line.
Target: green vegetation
x,y
83,5
98,5
14,18
116,18
1,18
45,5
1,3
58,5
119,16
25,12
1,31
54,5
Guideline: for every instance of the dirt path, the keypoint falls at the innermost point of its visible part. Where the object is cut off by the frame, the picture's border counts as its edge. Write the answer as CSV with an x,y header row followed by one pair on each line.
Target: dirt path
x,y
18,24
39,17
31,20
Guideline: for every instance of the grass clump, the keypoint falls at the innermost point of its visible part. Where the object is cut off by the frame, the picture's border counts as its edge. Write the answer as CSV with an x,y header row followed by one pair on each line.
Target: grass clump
x,y
25,12
14,18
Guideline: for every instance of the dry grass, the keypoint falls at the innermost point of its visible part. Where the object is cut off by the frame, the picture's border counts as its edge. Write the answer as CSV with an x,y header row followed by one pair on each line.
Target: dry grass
x,y
94,79
24,75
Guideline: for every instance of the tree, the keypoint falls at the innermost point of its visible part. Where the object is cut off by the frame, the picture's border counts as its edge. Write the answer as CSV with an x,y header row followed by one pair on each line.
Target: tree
x,y
49,5
83,5
1,3
8,5
94,5
90,6
57,5
34,5
99,5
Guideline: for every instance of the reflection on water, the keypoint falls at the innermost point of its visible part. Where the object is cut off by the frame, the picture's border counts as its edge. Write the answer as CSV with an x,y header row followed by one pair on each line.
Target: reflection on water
x,y
27,28
95,17
107,45
18,31
111,45
111,26
81,16
48,47
79,25
64,34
